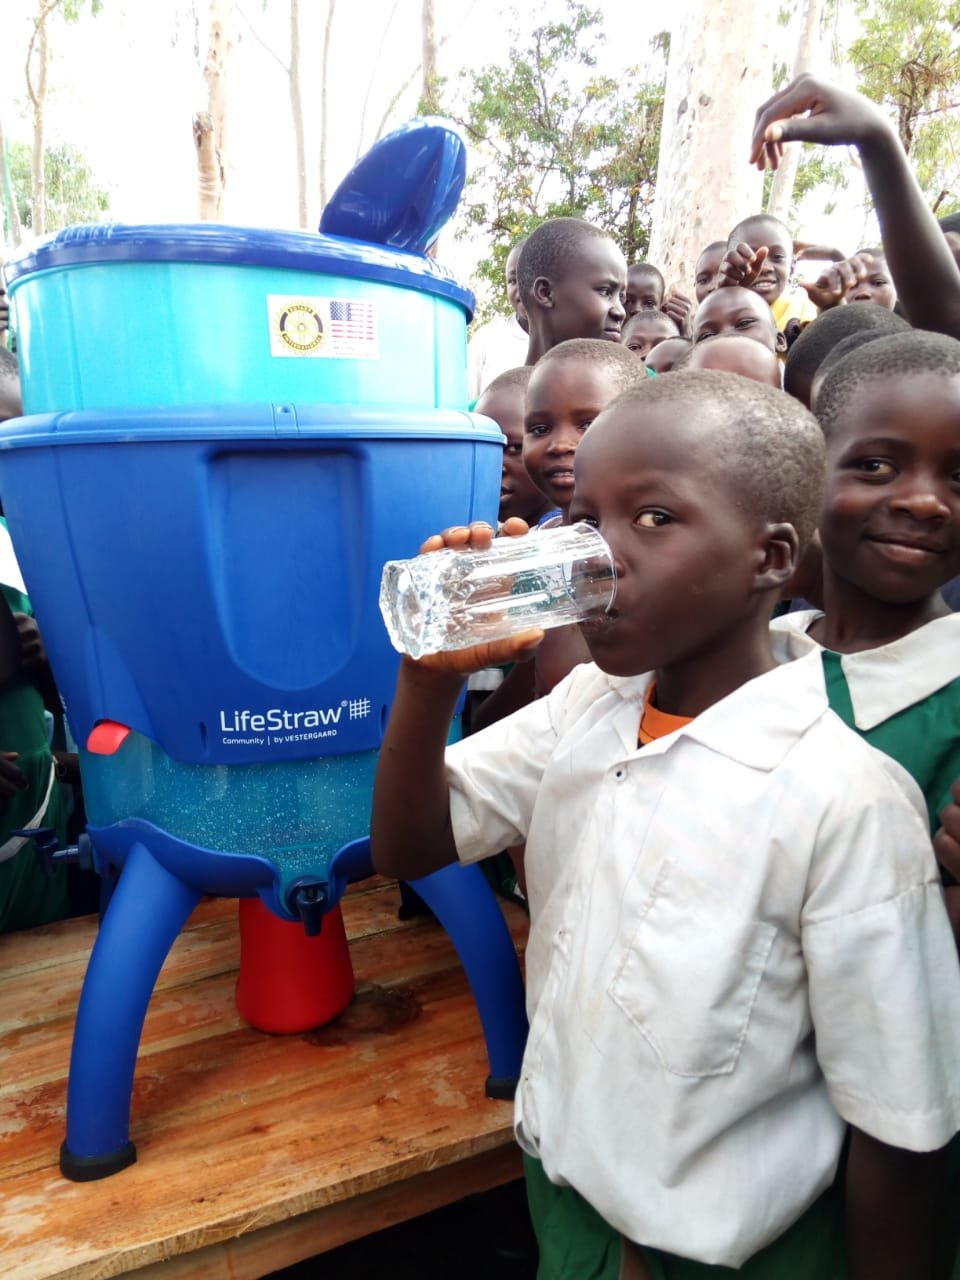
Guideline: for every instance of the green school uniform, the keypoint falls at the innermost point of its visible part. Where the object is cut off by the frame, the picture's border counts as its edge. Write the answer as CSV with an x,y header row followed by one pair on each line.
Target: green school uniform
x,y
904,699
577,1244
28,896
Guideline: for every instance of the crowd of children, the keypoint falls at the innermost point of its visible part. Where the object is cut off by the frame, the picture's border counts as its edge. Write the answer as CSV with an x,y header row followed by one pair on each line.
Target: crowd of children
x,y
739,838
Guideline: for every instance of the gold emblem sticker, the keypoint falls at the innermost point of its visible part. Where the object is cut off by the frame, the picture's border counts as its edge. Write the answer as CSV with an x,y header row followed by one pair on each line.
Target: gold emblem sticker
x,y
300,328
303,327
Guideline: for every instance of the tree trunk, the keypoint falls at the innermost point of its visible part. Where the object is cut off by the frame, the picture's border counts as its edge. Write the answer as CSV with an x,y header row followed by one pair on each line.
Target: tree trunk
x,y
39,50
209,126
781,193
718,74
324,102
429,104
296,110
9,196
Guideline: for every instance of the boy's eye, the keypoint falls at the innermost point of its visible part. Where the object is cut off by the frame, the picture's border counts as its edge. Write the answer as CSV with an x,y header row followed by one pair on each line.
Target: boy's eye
x,y
747,322
652,519
585,423
536,429
578,518
512,450
876,467
703,335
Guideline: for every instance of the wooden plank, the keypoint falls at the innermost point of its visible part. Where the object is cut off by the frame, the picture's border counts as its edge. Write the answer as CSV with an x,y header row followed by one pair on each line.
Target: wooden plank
x,y
269,1249
241,1133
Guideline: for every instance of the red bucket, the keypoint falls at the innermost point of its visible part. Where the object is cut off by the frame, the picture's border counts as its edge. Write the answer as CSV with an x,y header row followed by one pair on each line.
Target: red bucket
x,y
288,981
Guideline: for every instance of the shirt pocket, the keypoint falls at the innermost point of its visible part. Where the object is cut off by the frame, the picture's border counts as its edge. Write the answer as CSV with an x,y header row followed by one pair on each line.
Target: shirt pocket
x,y
690,974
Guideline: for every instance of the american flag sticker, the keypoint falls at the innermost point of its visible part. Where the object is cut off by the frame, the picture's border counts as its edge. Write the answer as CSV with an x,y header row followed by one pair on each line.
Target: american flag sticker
x,y
319,328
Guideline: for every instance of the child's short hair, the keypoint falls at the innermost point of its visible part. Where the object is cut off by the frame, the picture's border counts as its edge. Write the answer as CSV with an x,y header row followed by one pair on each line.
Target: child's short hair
x,y
548,248
851,342
624,368
769,444
712,247
755,219
733,354
896,355
648,269
807,353
518,377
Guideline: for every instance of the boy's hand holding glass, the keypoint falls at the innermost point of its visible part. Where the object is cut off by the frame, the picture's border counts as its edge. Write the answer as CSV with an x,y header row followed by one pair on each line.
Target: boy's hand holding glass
x,y
487,602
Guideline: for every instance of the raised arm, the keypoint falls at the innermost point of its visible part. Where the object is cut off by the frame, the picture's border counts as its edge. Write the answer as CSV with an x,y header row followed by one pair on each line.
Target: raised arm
x,y
410,830
919,258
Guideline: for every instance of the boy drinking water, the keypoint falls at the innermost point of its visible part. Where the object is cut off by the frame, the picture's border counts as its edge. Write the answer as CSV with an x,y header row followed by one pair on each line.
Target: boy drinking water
x,y
738,943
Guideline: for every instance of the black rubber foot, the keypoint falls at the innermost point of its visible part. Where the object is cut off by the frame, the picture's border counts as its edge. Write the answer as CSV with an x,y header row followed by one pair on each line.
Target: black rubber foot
x,y
90,1168
501,1087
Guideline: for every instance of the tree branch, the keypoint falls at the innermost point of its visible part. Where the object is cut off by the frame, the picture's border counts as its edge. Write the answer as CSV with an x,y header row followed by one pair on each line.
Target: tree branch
x,y
261,42
372,80
39,21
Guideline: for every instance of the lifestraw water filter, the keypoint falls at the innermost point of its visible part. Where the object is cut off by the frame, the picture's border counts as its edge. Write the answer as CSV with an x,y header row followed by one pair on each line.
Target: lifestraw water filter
x,y
228,432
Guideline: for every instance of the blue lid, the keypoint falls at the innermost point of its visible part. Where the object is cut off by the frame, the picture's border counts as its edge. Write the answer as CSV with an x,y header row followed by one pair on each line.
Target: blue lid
x,y
404,189
237,246
246,422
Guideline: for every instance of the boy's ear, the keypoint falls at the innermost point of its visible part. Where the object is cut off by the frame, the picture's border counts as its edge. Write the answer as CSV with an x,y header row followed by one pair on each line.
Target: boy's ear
x,y
781,345
781,552
543,292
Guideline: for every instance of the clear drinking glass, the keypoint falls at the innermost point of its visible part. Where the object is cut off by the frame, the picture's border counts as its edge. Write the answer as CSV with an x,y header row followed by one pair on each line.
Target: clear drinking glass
x,y
452,599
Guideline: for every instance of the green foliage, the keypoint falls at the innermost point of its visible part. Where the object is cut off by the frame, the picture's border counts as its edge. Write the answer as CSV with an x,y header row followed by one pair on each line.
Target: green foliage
x,y
820,168
72,193
73,9
908,60
553,138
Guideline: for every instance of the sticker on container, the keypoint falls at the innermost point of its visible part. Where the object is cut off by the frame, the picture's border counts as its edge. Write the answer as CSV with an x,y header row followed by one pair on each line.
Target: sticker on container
x,y
337,328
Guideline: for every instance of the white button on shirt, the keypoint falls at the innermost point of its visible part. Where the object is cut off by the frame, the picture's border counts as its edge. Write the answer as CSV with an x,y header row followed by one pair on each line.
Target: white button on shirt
x,y
700,907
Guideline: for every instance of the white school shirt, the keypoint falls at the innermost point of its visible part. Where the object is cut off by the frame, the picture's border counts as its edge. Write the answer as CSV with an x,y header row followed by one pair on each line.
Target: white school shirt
x,y
699,907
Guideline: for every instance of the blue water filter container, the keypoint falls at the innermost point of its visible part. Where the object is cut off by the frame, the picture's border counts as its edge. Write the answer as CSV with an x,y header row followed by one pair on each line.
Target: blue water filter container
x,y
228,433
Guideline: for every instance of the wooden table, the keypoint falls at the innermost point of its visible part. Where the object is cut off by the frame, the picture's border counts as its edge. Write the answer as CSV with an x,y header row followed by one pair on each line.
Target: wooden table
x,y
255,1151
